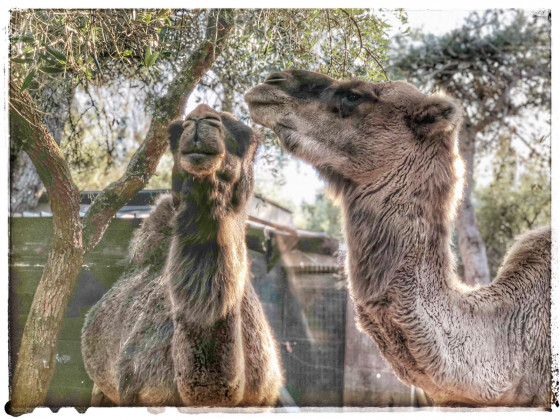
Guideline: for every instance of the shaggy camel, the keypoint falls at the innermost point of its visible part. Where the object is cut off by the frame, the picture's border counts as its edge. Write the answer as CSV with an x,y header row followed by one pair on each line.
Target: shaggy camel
x,y
390,154
184,326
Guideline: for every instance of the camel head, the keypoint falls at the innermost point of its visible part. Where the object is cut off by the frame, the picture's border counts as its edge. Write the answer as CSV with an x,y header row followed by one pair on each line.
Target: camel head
x,y
352,131
211,148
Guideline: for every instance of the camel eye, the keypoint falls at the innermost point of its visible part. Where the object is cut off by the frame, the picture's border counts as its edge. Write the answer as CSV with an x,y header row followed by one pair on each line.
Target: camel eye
x,y
352,97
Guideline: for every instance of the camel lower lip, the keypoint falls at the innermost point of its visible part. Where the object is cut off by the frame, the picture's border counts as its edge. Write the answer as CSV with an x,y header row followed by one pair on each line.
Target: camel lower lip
x,y
199,154
284,126
197,158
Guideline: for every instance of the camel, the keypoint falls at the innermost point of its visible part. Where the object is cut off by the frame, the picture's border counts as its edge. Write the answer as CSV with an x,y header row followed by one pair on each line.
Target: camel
x,y
183,326
389,153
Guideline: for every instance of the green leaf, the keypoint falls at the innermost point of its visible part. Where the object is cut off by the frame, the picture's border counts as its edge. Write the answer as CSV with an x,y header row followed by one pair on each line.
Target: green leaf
x,y
27,39
27,81
147,53
22,60
152,59
162,33
47,58
51,70
55,53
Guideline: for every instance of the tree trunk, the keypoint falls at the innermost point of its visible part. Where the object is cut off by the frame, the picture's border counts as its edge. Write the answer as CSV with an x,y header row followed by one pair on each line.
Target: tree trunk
x,y
25,184
36,358
227,96
471,245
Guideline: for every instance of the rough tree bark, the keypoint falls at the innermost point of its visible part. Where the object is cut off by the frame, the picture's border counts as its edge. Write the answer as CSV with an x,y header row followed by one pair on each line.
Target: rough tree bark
x,y
227,96
25,184
36,357
471,245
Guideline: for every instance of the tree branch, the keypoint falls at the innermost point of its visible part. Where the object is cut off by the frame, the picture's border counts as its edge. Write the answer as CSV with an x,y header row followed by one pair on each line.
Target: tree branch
x,y
27,126
167,108
362,46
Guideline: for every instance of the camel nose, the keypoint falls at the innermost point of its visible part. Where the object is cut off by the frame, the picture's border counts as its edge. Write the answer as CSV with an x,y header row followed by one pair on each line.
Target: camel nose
x,y
203,112
276,78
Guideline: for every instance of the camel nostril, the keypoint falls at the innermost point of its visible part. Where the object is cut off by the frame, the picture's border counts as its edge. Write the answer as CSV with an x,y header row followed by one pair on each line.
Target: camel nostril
x,y
211,117
275,78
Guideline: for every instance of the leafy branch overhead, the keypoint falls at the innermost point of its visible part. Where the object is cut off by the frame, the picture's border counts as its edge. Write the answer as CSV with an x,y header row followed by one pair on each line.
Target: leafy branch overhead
x,y
340,42
87,43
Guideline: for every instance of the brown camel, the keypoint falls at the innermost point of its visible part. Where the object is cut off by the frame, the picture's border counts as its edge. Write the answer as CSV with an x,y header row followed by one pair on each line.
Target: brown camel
x,y
390,154
184,326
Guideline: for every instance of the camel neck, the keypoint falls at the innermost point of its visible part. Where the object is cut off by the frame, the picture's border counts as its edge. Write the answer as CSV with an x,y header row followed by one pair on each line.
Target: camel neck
x,y
199,212
382,252
207,262
394,230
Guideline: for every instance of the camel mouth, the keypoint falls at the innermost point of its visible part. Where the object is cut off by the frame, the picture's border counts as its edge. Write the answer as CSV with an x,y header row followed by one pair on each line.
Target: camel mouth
x,y
197,158
265,95
197,153
201,163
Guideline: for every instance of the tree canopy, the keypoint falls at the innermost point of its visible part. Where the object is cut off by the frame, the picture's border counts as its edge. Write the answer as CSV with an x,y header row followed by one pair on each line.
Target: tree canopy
x,y
497,65
110,66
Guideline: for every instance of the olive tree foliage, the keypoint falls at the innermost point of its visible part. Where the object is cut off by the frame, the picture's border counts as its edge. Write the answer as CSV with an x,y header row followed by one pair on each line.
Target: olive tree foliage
x,y
339,42
112,104
498,67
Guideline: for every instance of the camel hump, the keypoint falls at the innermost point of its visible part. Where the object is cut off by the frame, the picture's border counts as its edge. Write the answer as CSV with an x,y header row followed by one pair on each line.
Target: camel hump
x,y
151,240
529,258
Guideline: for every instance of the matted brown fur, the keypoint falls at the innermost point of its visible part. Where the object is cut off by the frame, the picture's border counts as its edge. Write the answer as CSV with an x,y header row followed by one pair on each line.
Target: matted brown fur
x,y
184,326
390,154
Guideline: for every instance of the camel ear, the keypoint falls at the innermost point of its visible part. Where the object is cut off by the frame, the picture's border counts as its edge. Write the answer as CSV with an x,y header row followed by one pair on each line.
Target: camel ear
x,y
175,130
435,117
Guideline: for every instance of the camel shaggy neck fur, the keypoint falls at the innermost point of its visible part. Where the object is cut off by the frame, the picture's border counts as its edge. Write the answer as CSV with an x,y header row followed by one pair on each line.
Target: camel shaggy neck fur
x,y
390,154
184,325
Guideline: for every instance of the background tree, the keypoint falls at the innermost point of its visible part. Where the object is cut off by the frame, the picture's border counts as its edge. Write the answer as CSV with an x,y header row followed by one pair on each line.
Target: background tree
x,y
162,55
322,216
498,66
516,200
